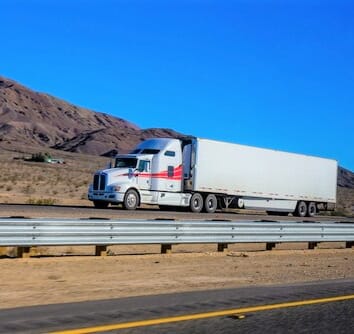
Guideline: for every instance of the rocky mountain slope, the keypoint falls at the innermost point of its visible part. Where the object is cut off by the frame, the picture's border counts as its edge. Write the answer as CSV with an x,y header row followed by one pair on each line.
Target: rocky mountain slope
x,y
345,178
37,119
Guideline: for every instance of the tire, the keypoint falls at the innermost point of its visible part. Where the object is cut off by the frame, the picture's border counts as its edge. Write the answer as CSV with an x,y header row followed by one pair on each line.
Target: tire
x,y
301,209
311,209
100,204
196,203
210,203
131,200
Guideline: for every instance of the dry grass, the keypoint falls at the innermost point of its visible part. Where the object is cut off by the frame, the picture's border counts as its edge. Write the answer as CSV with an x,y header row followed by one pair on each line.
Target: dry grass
x,y
42,183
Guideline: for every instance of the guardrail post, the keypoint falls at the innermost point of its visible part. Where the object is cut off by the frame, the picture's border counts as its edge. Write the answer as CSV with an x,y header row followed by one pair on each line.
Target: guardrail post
x,y
270,245
166,248
222,247
313,245
101,250
8,251
24,252
3,251
349,244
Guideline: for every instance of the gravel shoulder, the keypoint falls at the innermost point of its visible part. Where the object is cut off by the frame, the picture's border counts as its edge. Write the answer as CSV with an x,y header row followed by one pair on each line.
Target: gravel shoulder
x,y
47,280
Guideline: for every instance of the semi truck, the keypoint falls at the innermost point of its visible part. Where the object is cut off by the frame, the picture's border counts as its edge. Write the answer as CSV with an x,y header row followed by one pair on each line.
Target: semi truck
x,y
208,175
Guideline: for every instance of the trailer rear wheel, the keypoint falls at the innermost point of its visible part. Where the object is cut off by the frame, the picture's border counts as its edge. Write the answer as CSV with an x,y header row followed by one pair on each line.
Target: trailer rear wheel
x,y
131,200
312,209
301,209
196,203
210,203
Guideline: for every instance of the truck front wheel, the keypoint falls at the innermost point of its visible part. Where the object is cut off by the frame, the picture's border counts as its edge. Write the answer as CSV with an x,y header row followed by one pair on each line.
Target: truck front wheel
x,y
196,203
131,200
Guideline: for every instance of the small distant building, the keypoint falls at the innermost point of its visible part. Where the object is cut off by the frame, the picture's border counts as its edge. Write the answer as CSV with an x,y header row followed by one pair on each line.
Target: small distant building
x,y
56,161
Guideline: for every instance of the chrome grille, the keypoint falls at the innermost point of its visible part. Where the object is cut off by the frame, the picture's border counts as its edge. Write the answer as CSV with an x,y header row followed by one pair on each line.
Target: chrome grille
x,y
99,181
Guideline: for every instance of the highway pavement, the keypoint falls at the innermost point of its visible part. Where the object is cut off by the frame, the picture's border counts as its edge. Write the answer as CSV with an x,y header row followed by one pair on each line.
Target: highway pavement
x,y
318,307
151,212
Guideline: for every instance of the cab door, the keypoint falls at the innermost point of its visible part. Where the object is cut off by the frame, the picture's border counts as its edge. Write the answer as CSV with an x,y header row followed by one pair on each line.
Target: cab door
x,y
143,174
173,169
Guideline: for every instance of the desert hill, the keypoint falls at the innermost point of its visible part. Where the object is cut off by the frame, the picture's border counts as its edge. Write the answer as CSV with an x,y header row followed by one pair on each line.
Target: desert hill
x,y
345,178
37,119
29,118
33,122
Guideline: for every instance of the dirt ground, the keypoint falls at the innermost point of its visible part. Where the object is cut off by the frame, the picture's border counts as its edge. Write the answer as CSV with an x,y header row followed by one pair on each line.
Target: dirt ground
x,y
142,270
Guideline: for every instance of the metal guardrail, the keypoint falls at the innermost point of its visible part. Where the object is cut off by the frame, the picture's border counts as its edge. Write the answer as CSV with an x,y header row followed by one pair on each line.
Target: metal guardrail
x,y
20,232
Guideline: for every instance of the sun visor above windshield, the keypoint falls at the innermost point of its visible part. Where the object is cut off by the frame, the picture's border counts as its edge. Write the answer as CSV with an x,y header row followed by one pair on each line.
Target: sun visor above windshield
x,y
154,145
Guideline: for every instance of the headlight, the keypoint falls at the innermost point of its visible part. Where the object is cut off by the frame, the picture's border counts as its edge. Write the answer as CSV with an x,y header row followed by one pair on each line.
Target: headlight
x,y
115,188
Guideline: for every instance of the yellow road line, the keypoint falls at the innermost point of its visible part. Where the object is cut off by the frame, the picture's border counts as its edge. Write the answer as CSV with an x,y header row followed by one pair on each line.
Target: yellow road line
x,y
198,316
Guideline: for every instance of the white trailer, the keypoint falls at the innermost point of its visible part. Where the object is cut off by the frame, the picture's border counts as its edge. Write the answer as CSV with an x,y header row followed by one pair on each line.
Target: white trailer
x,y
207,175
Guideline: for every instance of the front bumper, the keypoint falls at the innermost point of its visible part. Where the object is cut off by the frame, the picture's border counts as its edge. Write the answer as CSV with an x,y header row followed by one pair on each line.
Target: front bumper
x,y
111,197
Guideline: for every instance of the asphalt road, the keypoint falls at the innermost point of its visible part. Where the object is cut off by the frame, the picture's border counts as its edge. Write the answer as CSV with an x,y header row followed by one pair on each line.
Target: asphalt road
x,y
242,310
114,212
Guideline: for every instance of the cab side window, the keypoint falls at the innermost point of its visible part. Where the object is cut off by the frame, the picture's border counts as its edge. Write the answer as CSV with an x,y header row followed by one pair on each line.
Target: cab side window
x,y
170,153
144,166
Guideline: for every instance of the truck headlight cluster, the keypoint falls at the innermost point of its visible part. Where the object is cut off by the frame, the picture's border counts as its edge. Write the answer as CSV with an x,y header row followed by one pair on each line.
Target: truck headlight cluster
x,y
115,188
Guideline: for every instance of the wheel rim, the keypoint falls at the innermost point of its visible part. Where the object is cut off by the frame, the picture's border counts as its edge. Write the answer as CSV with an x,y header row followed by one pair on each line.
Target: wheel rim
x,y
131,200
302,210
196,203
312,209
210,204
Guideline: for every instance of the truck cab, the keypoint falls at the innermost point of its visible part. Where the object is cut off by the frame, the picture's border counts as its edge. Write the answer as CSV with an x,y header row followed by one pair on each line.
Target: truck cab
x,y
152,174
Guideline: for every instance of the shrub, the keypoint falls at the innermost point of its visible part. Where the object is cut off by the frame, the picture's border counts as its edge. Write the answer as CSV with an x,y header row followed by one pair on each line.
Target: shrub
x,y
41,157
41,201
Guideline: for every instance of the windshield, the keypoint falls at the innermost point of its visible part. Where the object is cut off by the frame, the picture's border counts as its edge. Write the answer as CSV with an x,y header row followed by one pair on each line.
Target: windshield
x,y
145,151
125,163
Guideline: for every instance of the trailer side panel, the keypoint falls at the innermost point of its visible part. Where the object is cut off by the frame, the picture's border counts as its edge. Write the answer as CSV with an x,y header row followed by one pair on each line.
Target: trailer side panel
x,y
255,172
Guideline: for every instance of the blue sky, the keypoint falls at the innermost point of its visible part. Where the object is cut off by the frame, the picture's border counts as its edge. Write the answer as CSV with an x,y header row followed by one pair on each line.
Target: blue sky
x,y
275,74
